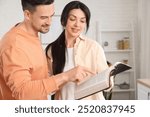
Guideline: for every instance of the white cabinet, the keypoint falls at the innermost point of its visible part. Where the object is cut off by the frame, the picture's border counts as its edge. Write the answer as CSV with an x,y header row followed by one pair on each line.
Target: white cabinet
x,y
143,89
118,45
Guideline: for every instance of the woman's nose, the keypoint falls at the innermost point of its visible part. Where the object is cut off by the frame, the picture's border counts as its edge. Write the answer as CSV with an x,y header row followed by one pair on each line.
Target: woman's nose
x,y
77,23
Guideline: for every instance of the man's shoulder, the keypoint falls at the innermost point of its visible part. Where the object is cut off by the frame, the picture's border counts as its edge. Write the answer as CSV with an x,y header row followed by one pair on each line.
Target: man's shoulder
x,y
9,39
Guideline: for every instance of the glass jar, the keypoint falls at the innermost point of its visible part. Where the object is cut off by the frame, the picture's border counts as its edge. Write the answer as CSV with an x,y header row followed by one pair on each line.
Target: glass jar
x,y
126,43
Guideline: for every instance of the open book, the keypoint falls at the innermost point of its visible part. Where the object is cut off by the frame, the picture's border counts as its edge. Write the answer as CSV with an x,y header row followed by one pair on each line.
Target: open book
x,y
100,81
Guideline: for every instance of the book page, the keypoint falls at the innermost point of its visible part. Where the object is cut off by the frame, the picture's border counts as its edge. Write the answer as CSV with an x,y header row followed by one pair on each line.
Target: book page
x,y
99,82
94,84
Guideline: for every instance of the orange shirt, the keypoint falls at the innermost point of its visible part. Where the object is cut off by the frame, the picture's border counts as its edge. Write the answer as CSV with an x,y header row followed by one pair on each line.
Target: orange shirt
x,y
23,67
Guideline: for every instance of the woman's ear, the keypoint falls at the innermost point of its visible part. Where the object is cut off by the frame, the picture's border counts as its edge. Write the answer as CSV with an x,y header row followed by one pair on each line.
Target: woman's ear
x,y
64,27
63,24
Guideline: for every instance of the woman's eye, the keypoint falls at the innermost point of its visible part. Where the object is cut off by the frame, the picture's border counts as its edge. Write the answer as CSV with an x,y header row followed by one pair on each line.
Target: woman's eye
x,y
83,21
72,19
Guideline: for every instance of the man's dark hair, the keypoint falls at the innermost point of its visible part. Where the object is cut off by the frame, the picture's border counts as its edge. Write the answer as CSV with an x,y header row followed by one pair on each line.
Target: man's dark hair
x,y
31,4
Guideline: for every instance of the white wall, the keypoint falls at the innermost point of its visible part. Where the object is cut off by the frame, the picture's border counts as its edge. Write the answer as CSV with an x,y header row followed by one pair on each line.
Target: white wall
x,y
144,37
110,13
10,14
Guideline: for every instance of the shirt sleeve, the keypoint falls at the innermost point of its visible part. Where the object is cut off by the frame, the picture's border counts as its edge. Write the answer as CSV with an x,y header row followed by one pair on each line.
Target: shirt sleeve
x,y
49,62
102,65
101,59
17,75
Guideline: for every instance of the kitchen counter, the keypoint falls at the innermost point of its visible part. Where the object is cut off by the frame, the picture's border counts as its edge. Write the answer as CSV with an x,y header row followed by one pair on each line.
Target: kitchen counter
x,y
144,81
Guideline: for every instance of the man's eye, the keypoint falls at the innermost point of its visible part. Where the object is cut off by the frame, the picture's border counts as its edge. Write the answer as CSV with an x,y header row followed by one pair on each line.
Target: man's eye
x,y
43,17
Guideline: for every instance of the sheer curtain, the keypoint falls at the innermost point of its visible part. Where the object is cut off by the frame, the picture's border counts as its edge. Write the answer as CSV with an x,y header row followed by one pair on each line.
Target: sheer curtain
x,y
144,37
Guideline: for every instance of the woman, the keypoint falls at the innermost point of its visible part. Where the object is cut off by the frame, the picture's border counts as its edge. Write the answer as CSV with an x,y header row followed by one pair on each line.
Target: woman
x,y
72,48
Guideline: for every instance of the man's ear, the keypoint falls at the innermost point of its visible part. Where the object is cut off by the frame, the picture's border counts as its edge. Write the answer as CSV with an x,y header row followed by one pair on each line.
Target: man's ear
x,y
27,14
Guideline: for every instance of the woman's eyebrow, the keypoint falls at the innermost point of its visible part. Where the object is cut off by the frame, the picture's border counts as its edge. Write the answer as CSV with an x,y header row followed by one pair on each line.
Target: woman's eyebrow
x,y
76,16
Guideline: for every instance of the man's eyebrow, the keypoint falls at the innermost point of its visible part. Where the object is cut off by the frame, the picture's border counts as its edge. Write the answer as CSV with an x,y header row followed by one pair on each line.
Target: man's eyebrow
x,y
53,14
48,16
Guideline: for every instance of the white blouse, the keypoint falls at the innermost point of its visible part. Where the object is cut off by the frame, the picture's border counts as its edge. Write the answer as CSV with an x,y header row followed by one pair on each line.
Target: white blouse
x,y
68,90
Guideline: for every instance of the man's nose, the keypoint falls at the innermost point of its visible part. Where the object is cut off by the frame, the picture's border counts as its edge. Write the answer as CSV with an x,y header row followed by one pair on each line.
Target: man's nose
x,y
49,20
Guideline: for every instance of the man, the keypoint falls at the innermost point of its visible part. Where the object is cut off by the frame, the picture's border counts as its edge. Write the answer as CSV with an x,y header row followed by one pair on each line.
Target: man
x,y
23,66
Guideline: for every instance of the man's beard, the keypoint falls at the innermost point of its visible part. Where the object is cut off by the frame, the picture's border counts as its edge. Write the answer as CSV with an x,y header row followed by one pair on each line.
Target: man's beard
x,y
44,29
41,31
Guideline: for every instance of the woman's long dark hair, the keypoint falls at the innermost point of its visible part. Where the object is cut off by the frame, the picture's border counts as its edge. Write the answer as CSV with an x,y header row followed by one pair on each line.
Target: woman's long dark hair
x,y
58,47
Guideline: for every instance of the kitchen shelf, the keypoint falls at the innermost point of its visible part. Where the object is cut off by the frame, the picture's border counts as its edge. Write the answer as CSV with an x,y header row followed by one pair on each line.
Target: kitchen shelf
x,y
123,90
109,39
114,50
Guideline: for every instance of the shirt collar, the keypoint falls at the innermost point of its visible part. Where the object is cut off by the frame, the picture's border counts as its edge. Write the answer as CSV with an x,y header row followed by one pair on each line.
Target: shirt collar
x,y
81,37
